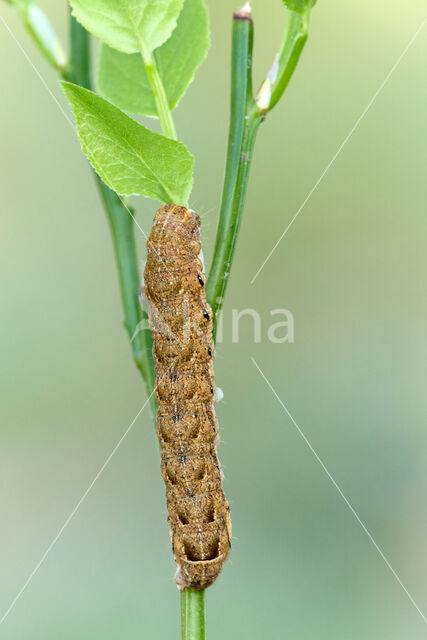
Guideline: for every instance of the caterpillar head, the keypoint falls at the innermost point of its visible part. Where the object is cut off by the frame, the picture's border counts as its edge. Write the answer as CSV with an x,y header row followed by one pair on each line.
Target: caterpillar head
x,y
178,224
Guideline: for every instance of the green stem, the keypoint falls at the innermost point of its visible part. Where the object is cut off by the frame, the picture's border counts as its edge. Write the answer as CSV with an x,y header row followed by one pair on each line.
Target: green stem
x,y
122,230
245,119
78,70
192,614
136,317
295,37
160,97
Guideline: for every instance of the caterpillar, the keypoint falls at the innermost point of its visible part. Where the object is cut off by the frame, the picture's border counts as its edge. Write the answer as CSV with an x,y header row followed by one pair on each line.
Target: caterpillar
x,y
187,428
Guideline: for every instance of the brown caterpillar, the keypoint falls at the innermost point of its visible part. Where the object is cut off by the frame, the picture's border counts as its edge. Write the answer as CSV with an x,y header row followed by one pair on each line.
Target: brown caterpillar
x,y
181,322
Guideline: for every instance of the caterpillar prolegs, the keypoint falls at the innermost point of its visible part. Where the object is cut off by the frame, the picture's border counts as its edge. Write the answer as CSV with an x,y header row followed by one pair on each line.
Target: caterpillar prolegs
x,y
181,322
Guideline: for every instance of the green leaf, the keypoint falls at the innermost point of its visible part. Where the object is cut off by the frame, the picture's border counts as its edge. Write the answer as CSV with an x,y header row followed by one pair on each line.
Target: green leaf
x,y
129,25
123,80
128,157
300,6
42,32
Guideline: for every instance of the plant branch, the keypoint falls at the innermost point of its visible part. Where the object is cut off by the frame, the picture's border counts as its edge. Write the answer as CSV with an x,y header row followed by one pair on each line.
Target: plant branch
x,y
192,614
136,316
122,230
295,37
245,118
78,70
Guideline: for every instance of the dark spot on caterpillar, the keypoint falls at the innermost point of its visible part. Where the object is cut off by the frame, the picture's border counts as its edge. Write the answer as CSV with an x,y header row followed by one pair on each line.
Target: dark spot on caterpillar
x,y
212,389
210,352
173,377
214,552
210,515
190,554
206,314
200,474
200,279
194,554
171,477
182,518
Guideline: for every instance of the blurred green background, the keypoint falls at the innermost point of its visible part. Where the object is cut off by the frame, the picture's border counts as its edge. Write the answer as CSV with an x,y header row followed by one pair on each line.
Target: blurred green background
x,y
352,270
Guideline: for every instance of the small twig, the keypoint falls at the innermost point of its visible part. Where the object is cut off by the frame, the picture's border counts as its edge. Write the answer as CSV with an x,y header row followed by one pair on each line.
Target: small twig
x,y
122,231
295,37
245,118
78,69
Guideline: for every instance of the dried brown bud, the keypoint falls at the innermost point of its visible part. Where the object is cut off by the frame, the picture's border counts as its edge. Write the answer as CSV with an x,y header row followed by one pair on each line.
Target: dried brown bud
x,y
245,13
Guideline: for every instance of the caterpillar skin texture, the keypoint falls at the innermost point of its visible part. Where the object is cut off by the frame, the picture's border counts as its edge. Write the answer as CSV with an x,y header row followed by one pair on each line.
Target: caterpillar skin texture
x,y
183,350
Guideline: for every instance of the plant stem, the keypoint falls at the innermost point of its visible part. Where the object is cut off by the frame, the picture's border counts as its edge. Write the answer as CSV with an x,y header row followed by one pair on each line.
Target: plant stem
x,y
122,230
192,614
78,70
295,37
136,317
245,119
160,97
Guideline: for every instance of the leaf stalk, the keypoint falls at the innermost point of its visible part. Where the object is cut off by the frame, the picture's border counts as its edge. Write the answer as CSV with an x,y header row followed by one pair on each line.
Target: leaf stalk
x,y
160,97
